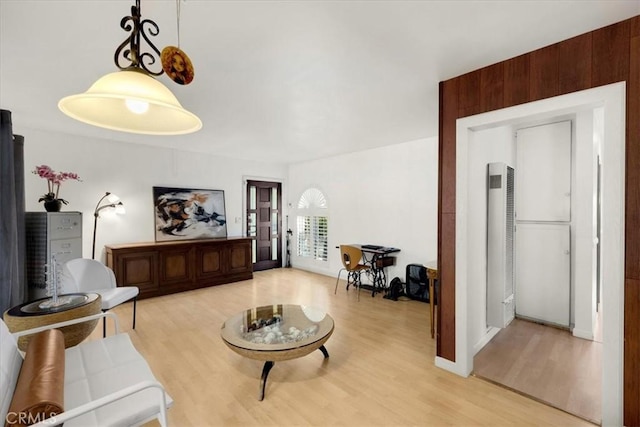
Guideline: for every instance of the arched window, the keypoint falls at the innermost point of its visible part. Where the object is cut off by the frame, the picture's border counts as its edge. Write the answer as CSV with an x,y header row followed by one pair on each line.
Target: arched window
x,y
312,225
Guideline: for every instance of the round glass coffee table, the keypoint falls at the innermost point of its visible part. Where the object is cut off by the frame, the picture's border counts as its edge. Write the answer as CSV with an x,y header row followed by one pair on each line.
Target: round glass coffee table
x,y
274,333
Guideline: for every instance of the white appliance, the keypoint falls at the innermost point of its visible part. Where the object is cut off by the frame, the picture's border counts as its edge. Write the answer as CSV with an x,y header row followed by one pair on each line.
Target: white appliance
x,y
500,245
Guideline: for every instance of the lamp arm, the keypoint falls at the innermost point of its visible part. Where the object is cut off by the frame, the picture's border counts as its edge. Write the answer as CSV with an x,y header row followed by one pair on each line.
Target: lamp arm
x,y
112,205
97,209
96,213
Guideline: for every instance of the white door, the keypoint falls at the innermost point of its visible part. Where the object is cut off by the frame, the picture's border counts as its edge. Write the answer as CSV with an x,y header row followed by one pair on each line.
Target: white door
x,y
543,268
543,173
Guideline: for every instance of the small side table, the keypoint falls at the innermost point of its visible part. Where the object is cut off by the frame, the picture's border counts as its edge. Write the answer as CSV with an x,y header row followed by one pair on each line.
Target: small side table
x,y
432,275
32,315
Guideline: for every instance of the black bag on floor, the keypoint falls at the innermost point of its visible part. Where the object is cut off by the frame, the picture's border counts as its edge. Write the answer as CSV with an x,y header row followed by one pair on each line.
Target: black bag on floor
x,y
395,290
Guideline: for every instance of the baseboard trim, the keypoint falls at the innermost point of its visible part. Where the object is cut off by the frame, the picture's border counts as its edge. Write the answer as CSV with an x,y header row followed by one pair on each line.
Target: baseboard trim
x,y
491,332
579,333
450,366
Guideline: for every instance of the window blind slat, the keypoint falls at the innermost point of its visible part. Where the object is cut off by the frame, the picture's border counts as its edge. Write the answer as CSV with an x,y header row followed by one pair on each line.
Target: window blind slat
x,y
312,237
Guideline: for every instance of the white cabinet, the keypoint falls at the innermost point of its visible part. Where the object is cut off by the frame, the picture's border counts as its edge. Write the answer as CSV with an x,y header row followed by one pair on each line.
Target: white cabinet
x,y
50,235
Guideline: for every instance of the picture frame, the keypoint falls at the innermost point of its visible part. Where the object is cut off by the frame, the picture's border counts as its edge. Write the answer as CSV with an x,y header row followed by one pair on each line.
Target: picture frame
x,y
188,213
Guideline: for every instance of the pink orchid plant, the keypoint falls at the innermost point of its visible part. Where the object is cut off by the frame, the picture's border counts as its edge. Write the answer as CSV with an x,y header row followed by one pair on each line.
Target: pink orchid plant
x,y
54,179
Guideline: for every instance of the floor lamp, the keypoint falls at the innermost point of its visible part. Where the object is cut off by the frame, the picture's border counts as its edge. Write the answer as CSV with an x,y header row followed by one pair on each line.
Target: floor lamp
x,y
113,201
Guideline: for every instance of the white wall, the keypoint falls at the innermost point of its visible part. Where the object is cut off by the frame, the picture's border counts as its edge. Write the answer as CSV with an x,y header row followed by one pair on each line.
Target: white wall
x,y
583,230
386,196
598,141
130,171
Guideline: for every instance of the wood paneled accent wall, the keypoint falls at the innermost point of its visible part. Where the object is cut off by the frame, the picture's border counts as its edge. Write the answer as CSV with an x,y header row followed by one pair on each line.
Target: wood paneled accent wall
x,y
607,55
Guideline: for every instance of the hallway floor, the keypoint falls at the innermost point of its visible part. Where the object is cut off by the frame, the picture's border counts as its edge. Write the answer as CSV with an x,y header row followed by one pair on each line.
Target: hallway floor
x,y
548,364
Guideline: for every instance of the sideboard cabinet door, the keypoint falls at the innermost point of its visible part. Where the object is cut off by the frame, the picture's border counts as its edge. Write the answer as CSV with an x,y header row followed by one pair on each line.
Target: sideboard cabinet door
x,y
176,268
240,258
136,269
209,262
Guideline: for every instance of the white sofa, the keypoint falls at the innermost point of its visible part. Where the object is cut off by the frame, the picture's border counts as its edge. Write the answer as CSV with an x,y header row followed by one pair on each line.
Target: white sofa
x,y
107,382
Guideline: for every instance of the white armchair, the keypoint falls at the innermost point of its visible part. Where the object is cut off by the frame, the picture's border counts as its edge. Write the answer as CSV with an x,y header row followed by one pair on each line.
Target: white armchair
x,y
88,275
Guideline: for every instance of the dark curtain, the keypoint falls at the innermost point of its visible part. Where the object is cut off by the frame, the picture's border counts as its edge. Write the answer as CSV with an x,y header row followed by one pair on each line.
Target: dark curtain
x,y
12,231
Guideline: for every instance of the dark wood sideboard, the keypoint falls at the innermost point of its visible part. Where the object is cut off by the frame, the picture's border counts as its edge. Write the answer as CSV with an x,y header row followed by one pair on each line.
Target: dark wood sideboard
x,y
168,267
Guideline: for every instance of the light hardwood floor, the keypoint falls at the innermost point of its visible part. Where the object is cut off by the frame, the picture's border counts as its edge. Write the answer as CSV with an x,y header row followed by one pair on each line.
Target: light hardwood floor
x,y
380,371
548,364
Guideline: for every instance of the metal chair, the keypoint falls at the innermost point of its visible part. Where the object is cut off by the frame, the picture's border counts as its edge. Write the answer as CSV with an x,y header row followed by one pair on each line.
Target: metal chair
x,y
351,256
88,275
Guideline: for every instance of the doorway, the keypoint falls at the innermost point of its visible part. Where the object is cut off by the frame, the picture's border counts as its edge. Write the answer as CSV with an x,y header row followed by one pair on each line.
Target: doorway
x,y
264,223
547,352
469,289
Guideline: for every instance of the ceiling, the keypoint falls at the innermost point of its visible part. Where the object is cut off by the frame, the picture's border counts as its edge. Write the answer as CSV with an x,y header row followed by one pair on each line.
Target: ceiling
x,y
282,81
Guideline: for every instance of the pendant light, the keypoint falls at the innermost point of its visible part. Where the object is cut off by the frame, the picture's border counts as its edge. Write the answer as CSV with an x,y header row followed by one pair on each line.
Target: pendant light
x,y
132,100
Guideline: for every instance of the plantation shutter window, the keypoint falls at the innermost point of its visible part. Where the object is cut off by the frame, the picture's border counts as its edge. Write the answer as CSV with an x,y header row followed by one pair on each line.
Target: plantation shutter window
x,y
312,226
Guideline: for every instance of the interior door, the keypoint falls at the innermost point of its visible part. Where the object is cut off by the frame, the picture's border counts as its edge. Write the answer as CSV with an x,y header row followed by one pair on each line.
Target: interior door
x,y
264,223
543,268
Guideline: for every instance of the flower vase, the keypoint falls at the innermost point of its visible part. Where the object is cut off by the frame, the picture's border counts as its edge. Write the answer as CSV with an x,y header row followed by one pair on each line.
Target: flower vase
x,y
53,205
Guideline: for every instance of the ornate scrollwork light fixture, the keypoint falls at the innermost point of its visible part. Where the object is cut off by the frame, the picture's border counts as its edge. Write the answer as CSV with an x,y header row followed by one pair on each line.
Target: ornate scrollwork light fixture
x,y
132,100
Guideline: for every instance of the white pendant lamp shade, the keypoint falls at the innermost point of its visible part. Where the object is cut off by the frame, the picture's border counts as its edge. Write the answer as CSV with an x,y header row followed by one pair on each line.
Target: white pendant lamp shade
x,y
131,101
